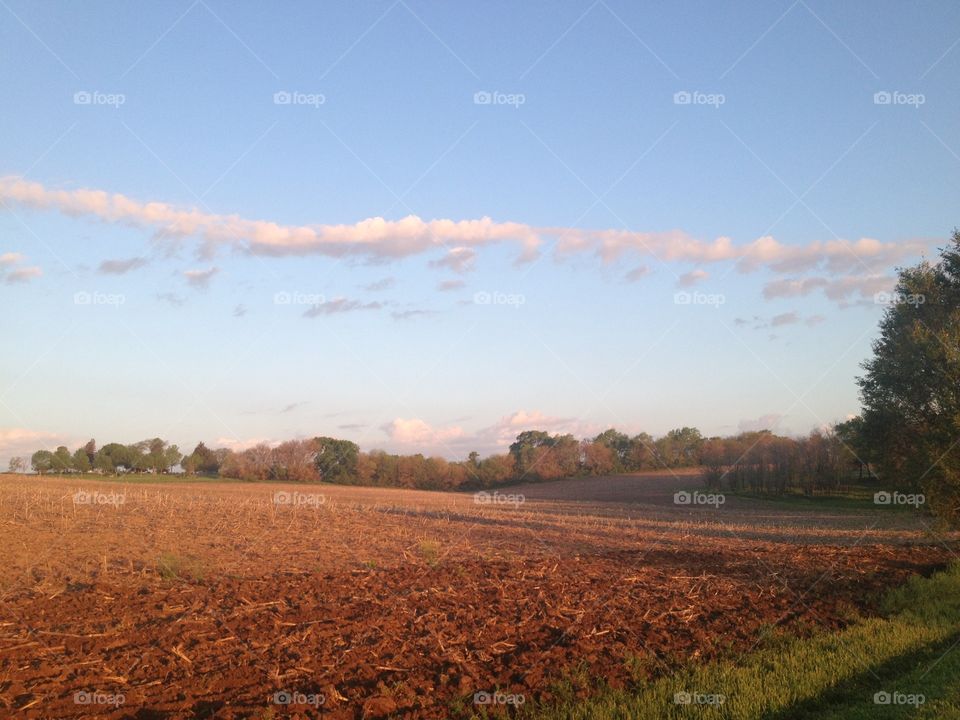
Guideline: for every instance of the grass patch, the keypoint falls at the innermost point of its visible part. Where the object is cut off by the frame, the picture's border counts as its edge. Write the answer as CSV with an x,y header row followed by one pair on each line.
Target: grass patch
x,y
910,649
177,567
430,552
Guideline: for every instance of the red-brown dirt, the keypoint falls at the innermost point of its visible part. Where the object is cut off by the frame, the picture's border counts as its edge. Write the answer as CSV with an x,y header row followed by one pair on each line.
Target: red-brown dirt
x,y
204,600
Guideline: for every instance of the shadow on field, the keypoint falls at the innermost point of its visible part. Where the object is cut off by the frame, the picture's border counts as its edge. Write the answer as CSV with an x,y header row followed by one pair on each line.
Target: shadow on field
x,y
854,699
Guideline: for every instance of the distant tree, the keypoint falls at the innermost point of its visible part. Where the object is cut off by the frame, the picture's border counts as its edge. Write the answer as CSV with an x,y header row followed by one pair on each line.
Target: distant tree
x,y
17,464
598,457
680,447
91,451
62,460
113,457
80,462
642,452
201,460
171,458
336,460
42,461
524,450
619,444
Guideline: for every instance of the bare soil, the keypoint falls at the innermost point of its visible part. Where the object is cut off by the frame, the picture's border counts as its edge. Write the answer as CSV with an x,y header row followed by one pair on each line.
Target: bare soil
x,y
204,600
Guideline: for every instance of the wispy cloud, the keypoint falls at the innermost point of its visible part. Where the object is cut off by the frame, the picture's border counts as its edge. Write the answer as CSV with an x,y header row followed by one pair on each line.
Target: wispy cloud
x,y
764,422
119,267
18,274
379,239
448,285
637,274
339,305
382,284
458,259
200,279
171,298
840,288
408,314
692,278
21,275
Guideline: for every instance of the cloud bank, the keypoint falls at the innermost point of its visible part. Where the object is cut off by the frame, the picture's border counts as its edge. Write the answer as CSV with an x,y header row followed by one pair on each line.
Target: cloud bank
x,y
859,262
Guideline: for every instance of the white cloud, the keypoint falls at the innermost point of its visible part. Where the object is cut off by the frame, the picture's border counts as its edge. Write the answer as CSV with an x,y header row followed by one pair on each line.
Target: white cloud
x,y
22,274
692,278
119,267
637,273
458,259
764,422
200,278
339,305
379,239
23,442
414,431
454,442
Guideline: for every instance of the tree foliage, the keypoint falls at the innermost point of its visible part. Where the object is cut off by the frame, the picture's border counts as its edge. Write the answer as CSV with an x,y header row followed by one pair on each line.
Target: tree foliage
x,y
911,386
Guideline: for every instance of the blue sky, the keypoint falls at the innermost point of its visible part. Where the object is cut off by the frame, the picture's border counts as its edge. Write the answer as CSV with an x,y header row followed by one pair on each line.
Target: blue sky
x,y
690,208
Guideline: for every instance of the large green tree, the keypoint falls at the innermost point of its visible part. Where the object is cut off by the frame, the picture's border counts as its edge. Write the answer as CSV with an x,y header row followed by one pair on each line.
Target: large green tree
x,y
336,460
911,387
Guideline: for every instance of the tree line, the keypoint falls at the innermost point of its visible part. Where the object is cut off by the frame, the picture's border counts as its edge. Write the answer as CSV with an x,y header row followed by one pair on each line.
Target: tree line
x,y
536,455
